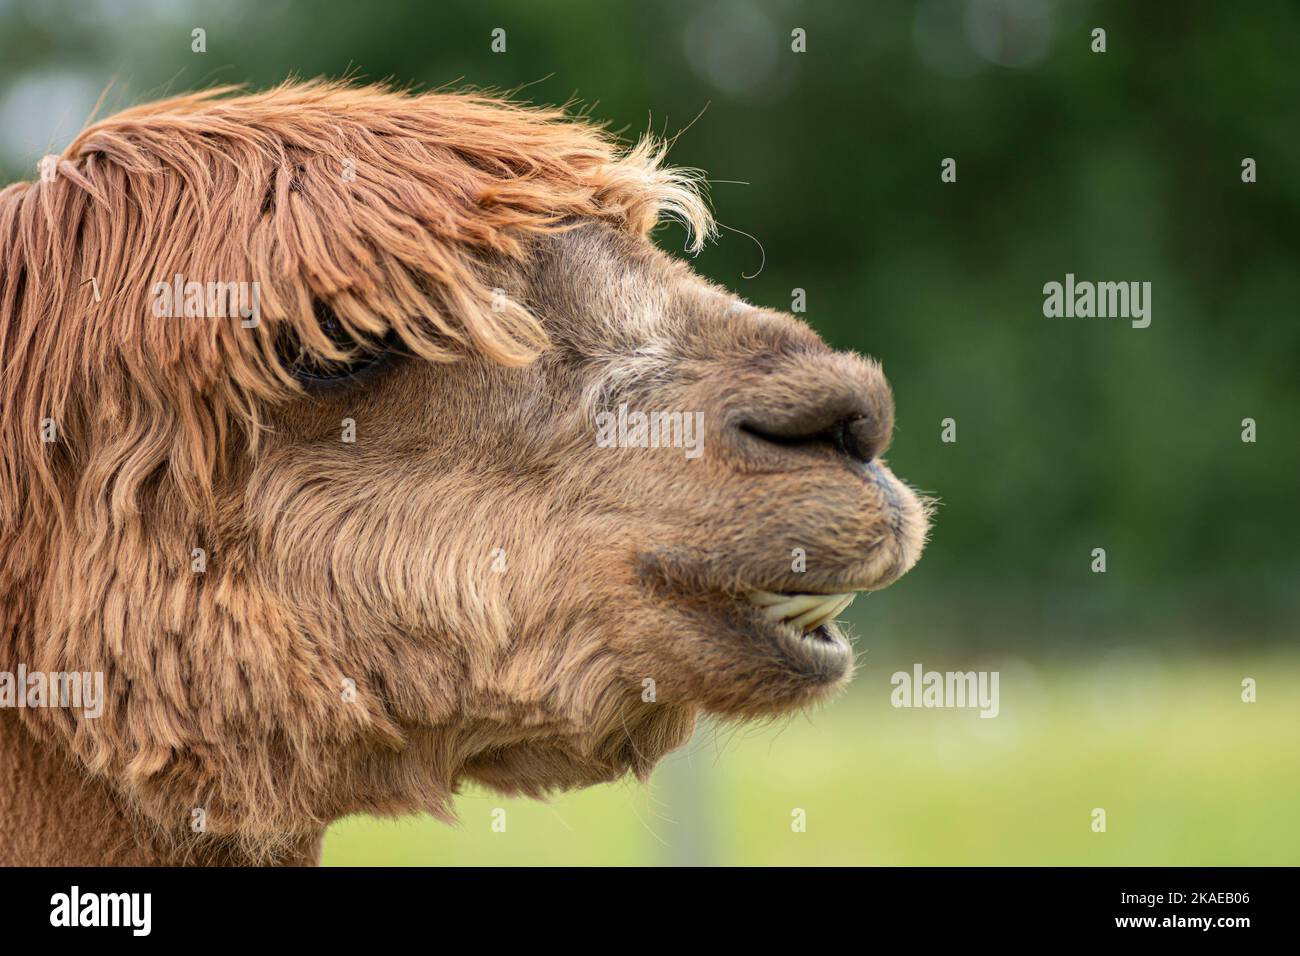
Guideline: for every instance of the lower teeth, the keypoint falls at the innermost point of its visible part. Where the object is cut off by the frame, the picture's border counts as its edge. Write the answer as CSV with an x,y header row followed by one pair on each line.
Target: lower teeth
x,y
807,612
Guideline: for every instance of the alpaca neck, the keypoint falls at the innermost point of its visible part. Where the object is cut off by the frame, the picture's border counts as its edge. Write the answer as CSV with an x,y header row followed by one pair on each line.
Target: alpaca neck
x,y
53,814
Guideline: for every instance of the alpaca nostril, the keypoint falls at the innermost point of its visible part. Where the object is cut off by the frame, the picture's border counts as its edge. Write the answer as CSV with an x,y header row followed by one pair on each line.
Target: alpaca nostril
x,y
859,438
856,436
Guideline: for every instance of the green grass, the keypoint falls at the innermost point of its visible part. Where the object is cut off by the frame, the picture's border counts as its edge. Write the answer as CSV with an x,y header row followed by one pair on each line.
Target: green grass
x,y
1187,773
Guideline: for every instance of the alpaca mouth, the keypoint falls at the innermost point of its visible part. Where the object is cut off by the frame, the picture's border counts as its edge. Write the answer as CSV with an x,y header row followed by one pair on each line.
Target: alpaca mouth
x,y
789,637
805,629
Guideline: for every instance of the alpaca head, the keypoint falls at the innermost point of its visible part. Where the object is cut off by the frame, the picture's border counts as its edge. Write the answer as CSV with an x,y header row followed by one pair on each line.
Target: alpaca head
x,y
476,485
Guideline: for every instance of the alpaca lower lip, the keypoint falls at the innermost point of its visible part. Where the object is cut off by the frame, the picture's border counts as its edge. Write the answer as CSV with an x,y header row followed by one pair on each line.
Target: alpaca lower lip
x,y
823,652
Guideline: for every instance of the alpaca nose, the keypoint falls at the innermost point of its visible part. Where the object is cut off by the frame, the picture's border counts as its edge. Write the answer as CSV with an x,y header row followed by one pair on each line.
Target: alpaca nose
x,y
842,404
855,435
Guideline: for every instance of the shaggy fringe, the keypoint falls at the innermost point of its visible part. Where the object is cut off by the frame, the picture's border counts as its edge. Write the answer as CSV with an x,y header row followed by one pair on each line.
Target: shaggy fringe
x,y
251,188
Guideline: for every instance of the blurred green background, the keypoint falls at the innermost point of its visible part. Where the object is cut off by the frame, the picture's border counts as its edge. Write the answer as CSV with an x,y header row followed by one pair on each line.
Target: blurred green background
x,y
1119,690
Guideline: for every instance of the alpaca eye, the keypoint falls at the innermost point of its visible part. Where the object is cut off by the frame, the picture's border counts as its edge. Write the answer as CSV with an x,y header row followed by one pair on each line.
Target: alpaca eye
x,y
315,373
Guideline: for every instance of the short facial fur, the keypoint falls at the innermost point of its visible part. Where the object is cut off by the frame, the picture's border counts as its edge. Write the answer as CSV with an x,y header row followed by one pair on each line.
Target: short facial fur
x,y
474,588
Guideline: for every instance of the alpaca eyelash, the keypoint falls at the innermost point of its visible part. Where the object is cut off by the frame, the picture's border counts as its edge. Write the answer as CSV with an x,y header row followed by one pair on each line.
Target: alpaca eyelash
x,y
316,376
320,375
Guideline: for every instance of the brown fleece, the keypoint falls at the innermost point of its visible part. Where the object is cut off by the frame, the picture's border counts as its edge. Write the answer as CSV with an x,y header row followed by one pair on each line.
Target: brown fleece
x,y
472,588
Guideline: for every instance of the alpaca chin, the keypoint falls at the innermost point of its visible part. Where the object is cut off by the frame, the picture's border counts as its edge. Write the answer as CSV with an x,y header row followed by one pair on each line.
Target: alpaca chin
x,y
539,767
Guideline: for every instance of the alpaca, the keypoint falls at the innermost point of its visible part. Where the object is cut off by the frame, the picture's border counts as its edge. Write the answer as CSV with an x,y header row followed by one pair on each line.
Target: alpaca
x,y
336,533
